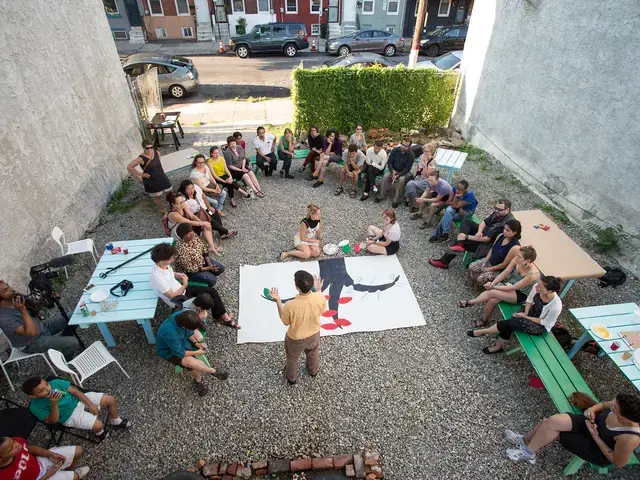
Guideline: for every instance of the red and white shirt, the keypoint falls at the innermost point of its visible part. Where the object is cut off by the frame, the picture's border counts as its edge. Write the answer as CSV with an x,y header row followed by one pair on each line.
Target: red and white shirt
x,y
24,466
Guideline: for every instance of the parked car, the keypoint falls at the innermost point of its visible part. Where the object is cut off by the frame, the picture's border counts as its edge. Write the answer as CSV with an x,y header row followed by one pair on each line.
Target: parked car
x,y
283,37
447,62
362,60
177,75
443,39
366,41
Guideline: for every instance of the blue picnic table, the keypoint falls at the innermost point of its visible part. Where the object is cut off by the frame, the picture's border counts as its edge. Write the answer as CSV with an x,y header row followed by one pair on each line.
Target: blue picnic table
x,y
138,305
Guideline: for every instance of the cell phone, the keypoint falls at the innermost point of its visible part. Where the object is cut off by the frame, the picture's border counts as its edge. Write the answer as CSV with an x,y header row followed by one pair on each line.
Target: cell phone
x,y
88,287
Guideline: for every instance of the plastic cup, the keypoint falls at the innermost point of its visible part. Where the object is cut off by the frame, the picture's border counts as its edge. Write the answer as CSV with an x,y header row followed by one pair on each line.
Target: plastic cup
x,y
344,245
615,346
125,250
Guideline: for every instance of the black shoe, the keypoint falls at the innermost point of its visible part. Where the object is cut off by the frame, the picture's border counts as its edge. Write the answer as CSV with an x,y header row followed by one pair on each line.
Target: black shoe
x,y
443,237
125,423
317,184
406,203
433,239
281,173
364,196
291,383
221,374
102,438
378,200
470,334
414,209
395,204
286,175
201,388
489,352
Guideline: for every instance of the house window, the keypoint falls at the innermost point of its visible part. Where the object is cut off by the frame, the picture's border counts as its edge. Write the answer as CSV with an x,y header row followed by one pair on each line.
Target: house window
x,y
161,33
315,29
390,28
292,6
182,7
263,5
187,32
238,6
444,7
155,7
110,7
315,6
120,34
393,7
367,7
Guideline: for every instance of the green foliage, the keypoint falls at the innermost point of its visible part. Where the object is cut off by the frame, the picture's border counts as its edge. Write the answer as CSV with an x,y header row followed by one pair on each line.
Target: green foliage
x,y
558,215
606,239
117,202
378,97
241,26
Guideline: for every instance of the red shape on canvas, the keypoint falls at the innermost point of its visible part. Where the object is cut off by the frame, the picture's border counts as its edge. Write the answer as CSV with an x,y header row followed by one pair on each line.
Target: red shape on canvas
x,y
342,322
343,300
327,297
329,326
329,313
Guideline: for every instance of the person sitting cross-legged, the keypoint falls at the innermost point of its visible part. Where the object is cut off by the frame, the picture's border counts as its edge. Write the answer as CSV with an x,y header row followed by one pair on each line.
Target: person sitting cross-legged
x,y
193,258
462,204
605,434
58,401
21,461
175,342
542,309
437,196
353,162
374,164
399,163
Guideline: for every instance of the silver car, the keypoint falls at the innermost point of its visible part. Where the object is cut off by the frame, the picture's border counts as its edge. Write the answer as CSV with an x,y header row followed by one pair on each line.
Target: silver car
x,y
447,62
366,41
177,75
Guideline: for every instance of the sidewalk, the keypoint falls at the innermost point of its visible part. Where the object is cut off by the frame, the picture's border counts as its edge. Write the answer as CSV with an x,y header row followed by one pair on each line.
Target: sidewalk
x,y
192,49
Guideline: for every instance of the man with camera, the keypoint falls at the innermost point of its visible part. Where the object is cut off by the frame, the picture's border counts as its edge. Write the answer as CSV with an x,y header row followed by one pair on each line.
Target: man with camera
x,y
29,334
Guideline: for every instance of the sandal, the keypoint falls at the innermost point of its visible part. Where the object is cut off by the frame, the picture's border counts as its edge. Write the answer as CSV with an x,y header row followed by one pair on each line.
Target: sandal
x,y
234,204
463,304
353,194
338,191
233,323
489,352
478,324
229,234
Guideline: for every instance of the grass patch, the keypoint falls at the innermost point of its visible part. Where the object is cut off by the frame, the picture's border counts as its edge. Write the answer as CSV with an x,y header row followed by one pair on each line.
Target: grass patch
x,y
198,124
117,203
476,155
607,240
253,99
558,215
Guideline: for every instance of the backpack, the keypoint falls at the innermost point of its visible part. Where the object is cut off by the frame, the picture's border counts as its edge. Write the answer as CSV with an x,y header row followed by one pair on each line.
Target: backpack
x,y
165,225
563,337
613,277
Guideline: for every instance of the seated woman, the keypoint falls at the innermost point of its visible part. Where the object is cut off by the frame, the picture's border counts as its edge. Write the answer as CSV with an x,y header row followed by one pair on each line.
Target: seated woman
x,y
519,277
193,259
221,173
237,163
286,147
201,176
504,249
197,204
307,240
331,153
416,187
605,434
359,139
180,213
239,140
541,312
435,197
385,240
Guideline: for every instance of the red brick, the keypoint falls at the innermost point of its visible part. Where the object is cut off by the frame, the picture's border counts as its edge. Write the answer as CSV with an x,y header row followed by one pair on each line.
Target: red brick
x,y
231,469
342,460
349,471
259,465
300,464
210,469
215,477
227,477
371,476
371,459
261,471
377,471
322,463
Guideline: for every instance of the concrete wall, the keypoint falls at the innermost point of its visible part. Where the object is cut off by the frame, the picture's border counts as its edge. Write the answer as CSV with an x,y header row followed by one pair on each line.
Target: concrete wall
x,y
553,85
68,125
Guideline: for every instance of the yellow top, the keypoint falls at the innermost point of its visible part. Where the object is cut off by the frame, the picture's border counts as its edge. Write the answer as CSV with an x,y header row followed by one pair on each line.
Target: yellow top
x,y
302,315
218,166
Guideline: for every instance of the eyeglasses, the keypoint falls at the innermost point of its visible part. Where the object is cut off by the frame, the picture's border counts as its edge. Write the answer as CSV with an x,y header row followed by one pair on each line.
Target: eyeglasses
x,y
498,209
150,147
199,163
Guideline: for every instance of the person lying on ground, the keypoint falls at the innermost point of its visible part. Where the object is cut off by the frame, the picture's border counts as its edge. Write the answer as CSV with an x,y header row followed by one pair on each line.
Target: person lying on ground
x,y
375,163
504,249
353,162
265,145
155,181
169,285
437,195
179,341
307,240
239,166
605,434
385,240
476,238
201,176
462,204
220,171
511,286
193,258
418,184
29,334
331,153
316,145
286,152
542,309
58,401
21,461
180,213
400,162
359,139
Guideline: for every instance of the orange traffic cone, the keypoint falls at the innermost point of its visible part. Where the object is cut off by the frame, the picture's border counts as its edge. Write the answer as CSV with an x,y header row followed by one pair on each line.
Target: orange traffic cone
x,y
221,49
313,45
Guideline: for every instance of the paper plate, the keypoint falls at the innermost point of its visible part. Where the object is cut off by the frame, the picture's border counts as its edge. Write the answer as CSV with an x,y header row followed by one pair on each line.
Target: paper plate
x,y
636,357
330,249
343,243
99,295
601,331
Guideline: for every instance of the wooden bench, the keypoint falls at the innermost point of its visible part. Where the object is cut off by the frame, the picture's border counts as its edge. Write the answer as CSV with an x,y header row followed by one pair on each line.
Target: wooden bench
x,y
558,374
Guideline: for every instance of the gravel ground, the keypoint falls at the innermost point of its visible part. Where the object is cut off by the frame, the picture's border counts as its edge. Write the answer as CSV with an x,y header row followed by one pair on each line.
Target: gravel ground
x,y
425,398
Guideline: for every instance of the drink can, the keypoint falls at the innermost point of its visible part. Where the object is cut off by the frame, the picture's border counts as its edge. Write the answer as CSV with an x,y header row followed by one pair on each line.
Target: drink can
x,y
125,250
109,246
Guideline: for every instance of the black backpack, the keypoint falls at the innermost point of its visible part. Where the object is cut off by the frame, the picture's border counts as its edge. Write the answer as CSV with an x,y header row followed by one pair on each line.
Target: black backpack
x,y
563,337
613,277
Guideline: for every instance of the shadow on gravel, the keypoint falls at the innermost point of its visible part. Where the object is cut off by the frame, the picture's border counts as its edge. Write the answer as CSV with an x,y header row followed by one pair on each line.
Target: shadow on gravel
x,y
230,92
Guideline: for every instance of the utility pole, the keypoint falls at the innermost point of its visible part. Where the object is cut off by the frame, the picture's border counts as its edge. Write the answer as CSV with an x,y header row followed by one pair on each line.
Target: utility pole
x,y
415,44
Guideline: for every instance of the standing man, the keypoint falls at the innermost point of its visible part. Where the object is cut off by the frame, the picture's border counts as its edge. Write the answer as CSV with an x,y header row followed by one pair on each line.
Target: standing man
x,y
375,162
353,160
265,151
400,162
302,316
316,143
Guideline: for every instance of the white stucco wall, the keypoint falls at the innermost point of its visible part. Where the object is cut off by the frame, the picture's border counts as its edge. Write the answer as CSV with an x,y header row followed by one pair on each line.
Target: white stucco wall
x,y
67,125
554,86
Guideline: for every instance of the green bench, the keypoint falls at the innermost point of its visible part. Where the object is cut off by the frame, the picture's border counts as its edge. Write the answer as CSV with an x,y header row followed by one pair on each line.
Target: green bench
x,y
467,259
558,374
301,153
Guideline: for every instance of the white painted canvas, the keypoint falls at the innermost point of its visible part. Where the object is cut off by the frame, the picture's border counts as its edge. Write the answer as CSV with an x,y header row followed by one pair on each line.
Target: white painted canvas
x,y
369,294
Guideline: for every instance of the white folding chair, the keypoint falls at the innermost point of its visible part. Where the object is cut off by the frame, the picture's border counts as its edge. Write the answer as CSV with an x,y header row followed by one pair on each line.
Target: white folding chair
x,y
81,246
93,359
16,355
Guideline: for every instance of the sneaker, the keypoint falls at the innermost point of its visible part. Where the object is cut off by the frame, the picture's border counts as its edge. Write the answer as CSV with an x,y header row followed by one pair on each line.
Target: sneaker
x,y
378,200
201,388
82,472
103,437
309,176
364,196
395,204
437,263
221,374
457,248
125,423
443,237
515,438
415,216
317,184
375,189
281,173
288,176
302,168
433,239
424,225
520,454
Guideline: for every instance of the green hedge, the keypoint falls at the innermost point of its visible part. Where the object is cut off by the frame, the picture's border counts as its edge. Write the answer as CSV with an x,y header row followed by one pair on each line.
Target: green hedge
x,y
377,97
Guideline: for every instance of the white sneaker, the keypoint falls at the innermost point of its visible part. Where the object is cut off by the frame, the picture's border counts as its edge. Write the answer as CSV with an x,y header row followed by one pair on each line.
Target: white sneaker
x,y
82,472
519,454
515,438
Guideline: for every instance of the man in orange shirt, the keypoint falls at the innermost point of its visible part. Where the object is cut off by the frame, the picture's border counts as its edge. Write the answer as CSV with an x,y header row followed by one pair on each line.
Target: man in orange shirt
x,y
302,315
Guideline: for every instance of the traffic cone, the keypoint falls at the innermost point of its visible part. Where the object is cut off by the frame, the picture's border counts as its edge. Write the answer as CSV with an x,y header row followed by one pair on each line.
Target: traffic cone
x,y
313,45
221,49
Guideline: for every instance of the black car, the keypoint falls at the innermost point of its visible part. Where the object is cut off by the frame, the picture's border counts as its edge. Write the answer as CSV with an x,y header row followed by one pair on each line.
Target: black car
x,y
362,60
443,39
282,37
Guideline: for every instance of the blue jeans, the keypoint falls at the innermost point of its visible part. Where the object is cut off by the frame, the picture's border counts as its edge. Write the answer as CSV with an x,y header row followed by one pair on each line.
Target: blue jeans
x,y
67,345
209,278
450,215
218,202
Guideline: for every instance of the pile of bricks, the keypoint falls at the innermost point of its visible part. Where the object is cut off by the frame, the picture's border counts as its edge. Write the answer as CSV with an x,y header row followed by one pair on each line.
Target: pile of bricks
x,y
357,466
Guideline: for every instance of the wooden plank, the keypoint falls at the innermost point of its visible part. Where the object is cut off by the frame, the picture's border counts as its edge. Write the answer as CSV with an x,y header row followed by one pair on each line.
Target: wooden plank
x,y
603,310
446,159
462,156
613,322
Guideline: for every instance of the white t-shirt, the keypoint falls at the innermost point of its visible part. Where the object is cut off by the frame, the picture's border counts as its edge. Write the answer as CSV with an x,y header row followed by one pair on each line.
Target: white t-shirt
x,y
550,312
265,145
203,178
163,280
392,232
195,204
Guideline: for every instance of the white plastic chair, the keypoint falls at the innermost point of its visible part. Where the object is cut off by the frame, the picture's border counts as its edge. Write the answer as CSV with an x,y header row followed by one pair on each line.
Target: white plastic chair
x,y
17,355
81,246
93,359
